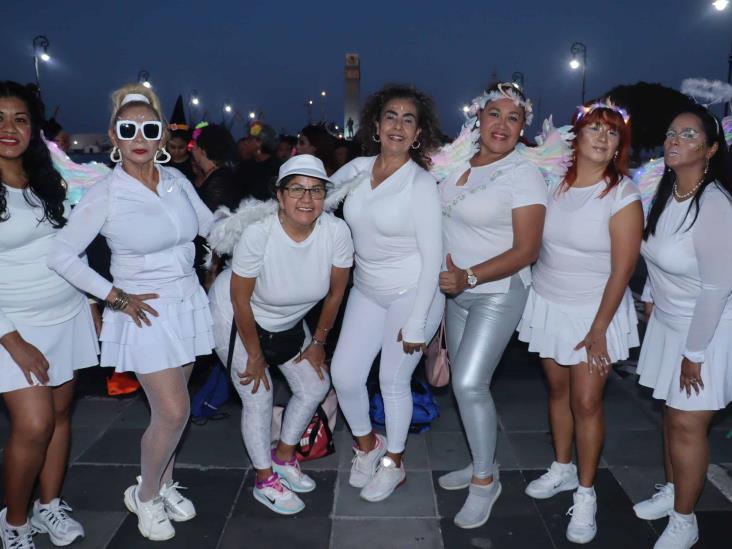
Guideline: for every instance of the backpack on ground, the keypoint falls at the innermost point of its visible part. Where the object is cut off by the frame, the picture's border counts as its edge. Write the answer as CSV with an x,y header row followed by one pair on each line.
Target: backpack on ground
x,y
424,408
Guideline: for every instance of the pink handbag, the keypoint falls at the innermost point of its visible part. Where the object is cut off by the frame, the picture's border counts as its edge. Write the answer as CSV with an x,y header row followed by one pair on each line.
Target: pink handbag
x,y
437,364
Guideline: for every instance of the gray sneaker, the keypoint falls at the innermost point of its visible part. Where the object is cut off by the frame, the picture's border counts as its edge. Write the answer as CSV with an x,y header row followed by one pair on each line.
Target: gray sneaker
x,y
364,464
477,508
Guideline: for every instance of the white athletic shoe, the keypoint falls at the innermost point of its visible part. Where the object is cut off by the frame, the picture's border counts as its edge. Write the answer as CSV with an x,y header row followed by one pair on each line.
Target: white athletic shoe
x,y
152,520
364,464
292,476
277,497
658,505
388,478
456,480
679,533
177,507
15,537
53,520
582,526
476,510
558,478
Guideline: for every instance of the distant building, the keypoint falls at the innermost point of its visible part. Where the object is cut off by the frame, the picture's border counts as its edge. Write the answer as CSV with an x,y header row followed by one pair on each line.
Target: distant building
x,y
90,143
352,107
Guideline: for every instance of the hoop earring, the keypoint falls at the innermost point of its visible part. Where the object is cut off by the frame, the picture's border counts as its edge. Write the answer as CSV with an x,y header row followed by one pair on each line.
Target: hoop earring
x,y
165,159
418,145
376,138
115,156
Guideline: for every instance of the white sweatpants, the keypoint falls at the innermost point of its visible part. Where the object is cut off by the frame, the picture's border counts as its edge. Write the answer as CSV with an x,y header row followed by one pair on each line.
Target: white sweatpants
x,y
371,325
308,390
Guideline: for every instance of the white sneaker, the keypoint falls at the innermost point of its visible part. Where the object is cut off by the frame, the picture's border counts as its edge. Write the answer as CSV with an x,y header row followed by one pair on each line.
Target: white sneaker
x,y
679,533
388,478
659,505
457,480
177,507
15,537
152,520
277,497
364,464
477,508
558,478
52,519
292,476
582,527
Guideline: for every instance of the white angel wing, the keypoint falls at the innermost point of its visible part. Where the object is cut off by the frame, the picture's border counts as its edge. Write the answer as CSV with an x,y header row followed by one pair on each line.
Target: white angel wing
x,y
553,153
448,157
78,177
647,178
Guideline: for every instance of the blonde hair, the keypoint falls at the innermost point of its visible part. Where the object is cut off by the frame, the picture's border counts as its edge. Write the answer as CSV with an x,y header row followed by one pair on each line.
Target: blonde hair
x,y
154,105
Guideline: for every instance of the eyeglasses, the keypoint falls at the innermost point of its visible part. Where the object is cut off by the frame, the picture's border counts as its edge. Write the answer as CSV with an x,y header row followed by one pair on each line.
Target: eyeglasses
x,y
296,191
687,134
152,130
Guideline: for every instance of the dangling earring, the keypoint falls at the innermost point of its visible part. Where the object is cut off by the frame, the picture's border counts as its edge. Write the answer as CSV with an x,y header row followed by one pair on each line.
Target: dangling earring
x,y
706,169
615,156
376,138
115,156
418,145
522,133
165,159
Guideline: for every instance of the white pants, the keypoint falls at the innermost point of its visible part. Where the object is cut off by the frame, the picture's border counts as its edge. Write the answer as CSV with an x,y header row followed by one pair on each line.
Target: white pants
x,y
370,326
308,390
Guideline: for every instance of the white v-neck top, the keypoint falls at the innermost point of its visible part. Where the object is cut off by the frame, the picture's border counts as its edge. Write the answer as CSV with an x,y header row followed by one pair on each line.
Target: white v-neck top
x,y
30,293
150,235
397,236
477,216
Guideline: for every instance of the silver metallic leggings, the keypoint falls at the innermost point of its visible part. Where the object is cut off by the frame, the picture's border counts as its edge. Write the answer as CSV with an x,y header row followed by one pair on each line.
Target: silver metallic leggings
x,y
478,328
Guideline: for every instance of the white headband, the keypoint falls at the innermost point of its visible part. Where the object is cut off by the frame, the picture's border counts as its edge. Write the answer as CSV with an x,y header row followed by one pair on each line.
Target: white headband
x,y
504,91
130,97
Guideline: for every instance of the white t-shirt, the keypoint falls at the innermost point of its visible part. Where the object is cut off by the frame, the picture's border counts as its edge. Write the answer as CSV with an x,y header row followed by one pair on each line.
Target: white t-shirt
x,y
690,270
291,276
476,217
574,263
396,234
150,235
30,292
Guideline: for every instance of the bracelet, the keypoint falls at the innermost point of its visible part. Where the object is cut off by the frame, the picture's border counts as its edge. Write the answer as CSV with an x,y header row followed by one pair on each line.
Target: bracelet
x,y
120,302
315,341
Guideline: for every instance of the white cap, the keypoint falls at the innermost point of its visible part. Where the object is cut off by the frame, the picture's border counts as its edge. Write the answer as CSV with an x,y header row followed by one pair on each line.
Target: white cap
x,y
303,164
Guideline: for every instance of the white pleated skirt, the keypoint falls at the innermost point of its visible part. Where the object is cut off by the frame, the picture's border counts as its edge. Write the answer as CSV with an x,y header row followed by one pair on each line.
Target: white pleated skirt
x,y
659,366
553,330
182,332
68,346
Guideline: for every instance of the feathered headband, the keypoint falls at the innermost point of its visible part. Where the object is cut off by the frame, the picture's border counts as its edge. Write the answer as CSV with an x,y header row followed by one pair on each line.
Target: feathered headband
x,y
606,104
505,90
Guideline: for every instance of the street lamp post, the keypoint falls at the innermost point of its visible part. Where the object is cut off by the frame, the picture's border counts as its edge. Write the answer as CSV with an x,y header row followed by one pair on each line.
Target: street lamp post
x,y
40,51
729,79
143,77
193,104
518,79
322,105
578,48
309,109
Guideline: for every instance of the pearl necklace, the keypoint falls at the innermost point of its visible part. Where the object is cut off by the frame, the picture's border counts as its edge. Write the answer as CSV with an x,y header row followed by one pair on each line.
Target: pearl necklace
x,y
682,197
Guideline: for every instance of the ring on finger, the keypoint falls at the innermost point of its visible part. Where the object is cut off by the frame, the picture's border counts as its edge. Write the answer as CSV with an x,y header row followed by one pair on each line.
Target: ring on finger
x,y
141,314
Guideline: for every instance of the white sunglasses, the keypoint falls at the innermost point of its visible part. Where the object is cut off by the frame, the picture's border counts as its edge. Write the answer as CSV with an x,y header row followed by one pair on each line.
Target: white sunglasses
x,y
152,130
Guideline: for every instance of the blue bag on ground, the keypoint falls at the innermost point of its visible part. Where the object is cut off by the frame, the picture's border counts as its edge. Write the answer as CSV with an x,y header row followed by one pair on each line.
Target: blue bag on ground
x,y
211,396
425,407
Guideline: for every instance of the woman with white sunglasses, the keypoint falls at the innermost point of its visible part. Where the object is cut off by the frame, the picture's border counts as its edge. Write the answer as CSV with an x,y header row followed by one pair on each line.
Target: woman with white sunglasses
x,y
157,320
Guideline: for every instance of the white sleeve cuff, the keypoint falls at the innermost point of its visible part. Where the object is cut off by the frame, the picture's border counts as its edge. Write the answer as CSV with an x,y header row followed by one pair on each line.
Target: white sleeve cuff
x,y
694,356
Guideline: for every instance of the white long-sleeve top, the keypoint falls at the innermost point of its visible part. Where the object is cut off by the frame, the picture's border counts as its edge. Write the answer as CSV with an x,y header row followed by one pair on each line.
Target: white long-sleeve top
x,y
150,235
397,236
30,293
690,270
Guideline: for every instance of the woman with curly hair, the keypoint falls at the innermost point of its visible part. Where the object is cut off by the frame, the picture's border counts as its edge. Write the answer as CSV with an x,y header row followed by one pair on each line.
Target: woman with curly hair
x,y
395,306
493,216
46,328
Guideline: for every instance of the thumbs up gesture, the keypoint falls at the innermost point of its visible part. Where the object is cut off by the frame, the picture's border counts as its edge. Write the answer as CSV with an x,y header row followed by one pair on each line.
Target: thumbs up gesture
x,y
454,280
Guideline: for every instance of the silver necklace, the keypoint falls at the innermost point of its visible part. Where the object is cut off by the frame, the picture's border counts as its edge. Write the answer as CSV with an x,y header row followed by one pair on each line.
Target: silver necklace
x,y
682,197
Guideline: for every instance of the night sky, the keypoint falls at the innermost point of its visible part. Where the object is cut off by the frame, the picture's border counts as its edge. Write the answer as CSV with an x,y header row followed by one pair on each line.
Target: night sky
x,y
273,56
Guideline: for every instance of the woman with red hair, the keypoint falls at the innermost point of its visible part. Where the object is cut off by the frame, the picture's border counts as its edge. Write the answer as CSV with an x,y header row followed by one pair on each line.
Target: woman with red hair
x,y
579,315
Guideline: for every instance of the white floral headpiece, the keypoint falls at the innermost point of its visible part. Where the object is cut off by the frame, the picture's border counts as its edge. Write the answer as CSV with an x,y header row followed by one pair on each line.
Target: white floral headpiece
x,y
506,90
583,111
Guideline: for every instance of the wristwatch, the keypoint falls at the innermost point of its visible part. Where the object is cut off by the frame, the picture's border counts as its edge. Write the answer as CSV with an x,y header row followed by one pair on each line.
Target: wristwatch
x,y
472,279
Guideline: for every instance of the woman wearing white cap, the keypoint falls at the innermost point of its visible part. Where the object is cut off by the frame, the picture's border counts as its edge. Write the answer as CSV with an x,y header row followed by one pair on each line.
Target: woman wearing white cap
x,y
149,215
282,266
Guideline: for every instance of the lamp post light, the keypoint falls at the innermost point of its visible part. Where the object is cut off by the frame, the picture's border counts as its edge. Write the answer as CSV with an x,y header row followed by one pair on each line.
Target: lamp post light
x,y
579,49
143,77
322,105
309,109
40,51
720,5
518,79
252,115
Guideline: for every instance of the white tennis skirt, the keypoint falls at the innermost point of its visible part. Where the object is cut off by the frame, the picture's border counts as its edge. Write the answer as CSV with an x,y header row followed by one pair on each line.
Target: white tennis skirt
x,y
553,330
659,365
175,338
68,346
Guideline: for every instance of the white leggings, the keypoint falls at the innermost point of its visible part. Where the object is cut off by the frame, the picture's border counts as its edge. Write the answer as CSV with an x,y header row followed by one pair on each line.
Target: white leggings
x,y
370,326
308,390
